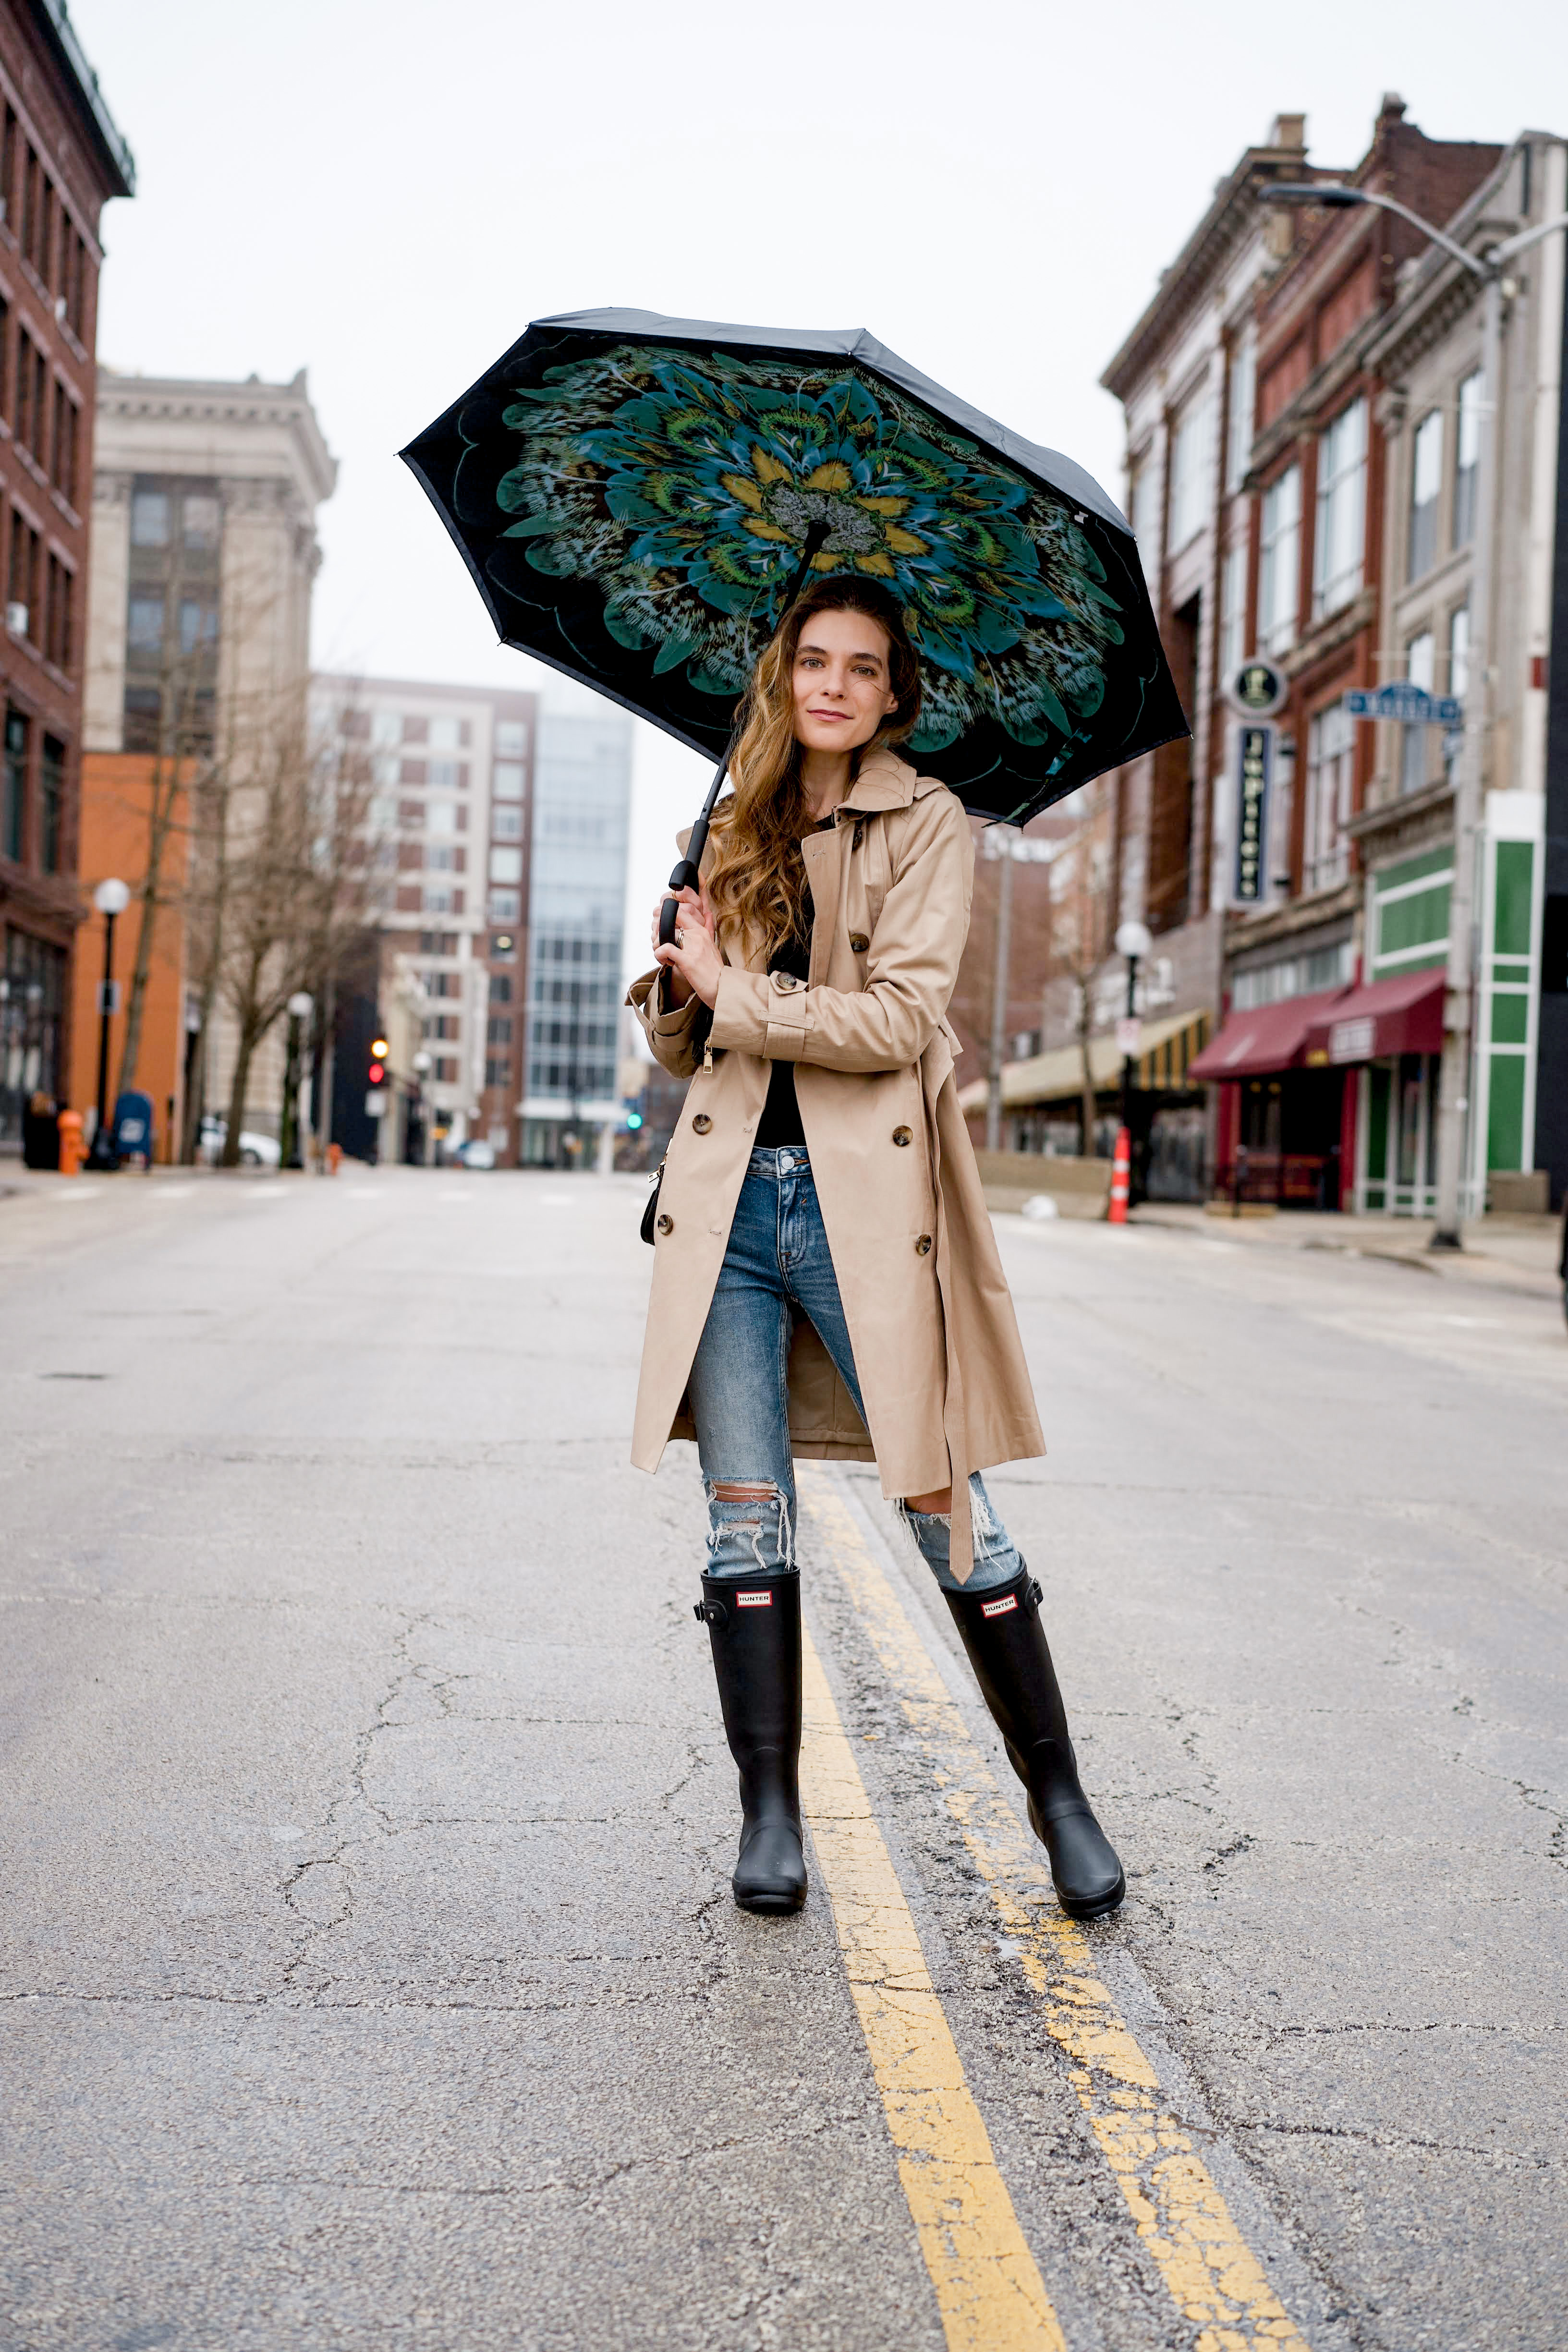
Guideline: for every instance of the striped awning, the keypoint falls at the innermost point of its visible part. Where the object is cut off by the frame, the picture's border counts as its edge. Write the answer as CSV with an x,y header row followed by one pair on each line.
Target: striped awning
x,y
1166,1049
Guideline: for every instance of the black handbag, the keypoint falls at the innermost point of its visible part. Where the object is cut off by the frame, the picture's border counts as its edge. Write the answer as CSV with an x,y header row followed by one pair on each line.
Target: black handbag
x,y
651,1212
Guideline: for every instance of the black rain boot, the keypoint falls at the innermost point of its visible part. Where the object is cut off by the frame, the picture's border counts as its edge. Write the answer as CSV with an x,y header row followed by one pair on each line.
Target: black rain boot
x,y
1001,1630
754,1624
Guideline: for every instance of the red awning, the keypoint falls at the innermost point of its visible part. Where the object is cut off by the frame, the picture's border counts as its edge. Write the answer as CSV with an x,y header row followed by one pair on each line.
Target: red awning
x,y
1403,1015
1271,1037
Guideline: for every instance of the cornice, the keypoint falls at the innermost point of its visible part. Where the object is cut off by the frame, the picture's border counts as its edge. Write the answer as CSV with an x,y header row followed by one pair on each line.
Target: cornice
x,y
1245,931
1396,827
1332,633
1231,215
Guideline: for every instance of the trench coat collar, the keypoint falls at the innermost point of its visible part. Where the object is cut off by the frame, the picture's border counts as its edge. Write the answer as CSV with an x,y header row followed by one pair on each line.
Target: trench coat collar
x,y
884,782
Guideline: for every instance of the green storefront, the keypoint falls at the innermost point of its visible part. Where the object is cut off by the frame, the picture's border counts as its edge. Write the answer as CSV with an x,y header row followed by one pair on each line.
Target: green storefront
x,y
1407,933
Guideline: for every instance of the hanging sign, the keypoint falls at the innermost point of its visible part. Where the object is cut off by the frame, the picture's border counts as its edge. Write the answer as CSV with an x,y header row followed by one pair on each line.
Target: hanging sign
x,y
1258,689
1252,812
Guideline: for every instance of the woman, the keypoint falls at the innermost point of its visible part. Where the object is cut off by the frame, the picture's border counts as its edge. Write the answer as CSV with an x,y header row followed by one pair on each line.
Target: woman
x,y
827,1281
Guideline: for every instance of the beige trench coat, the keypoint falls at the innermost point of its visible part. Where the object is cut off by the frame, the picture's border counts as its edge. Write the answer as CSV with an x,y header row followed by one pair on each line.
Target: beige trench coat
x,y
931,1321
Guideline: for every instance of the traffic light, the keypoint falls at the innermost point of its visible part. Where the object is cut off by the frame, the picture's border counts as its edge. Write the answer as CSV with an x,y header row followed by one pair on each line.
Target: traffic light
x,y
376,1076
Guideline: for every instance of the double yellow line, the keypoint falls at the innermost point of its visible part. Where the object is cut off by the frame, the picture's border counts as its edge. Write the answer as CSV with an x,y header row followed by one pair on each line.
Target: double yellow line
x,y
988,2287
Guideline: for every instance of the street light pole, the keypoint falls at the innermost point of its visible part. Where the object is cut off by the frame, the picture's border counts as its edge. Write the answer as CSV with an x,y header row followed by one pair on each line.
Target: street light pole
x,y
301,1004
1004,840
1455,1091
1134,943
111,897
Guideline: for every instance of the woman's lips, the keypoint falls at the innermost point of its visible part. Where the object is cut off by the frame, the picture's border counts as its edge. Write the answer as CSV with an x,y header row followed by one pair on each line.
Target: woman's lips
x,y
839,716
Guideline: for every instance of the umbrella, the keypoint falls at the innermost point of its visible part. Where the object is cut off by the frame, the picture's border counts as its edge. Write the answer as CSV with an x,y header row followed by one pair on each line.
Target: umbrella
x,y
638,499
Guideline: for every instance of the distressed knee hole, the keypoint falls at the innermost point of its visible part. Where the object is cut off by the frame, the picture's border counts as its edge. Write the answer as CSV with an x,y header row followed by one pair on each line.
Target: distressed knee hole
x,y
749,1515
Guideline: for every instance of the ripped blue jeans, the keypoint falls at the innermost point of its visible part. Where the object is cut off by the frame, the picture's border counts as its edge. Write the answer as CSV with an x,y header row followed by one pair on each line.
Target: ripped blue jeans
x,y
778,1266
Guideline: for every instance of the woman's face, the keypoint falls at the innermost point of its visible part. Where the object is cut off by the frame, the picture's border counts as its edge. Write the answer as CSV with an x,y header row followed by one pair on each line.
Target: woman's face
x,y
842,689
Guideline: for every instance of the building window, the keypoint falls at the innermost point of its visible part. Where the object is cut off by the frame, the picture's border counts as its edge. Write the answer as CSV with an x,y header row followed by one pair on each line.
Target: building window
x,y
497,1072
501,988
1279,558
506,824
437,902
199,522
499,1031
1459,650
443,735
505,906
1330,744
511,739
1418,669
1466,459
144,627
441,816
386,728
447,1069
1189,471
1143,512
1340,542
150,519
1233,613
505,866
1243,396
51,803
15,786
448,774
198,625
506,780
441,859
1425,487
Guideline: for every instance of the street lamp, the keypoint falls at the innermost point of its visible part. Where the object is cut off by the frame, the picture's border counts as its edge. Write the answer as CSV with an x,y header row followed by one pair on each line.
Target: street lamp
x,y
1490,269
301,1004
421,1067
1134,943
110,897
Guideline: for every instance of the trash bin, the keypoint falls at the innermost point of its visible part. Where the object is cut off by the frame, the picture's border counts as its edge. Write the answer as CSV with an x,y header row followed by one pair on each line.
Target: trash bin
x,y
40,1132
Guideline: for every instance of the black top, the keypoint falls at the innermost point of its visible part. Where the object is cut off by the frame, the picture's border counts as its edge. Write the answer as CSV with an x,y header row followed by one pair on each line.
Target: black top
x,y
780,1122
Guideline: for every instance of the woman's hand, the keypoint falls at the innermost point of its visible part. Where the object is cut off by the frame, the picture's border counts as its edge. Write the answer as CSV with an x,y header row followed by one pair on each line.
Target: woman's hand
x,y
692,965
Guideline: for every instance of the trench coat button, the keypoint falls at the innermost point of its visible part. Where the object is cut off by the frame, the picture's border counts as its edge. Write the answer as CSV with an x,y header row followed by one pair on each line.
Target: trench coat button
x,y
860,942
667,1225
921,1247
903,1135
701,1123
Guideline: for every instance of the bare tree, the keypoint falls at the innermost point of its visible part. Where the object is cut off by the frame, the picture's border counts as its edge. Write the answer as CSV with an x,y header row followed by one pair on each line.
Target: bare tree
x,y
1081,943
298,879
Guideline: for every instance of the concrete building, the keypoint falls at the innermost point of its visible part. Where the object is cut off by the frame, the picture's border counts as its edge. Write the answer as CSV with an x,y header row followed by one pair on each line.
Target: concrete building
x,y
1318,486
1428,357
581,783
450,823
205,556
61,159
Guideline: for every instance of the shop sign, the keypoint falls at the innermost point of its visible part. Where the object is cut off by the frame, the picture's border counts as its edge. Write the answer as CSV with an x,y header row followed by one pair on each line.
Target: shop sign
x,y
1256,689
1252,815
1353,1041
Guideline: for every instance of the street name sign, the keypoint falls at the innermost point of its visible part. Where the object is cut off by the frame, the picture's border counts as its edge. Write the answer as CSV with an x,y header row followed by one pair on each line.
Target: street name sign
x,y
1411,705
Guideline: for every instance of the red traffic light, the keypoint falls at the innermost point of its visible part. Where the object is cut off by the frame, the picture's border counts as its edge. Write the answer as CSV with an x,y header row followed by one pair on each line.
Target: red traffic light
x,y
377,1073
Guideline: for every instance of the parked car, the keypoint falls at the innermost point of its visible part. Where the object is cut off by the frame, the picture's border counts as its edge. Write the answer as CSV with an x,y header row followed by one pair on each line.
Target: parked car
x,y
255,1151
476,1154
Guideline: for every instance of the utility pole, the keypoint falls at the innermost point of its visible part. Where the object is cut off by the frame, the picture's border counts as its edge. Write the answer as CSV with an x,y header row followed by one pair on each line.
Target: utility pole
x,y
1004,839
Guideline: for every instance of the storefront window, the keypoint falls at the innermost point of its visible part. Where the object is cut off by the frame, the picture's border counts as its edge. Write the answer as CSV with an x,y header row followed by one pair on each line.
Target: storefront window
x,y
32,995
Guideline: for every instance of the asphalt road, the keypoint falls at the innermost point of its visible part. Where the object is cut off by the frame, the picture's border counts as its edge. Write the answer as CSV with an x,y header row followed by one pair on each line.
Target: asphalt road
x,y
369,1973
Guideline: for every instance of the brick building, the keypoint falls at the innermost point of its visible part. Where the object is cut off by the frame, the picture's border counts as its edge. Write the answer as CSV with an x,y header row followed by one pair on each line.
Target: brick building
x,y
61,159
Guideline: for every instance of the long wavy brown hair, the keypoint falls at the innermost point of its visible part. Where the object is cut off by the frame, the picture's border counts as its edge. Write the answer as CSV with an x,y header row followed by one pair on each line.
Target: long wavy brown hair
x,y
757,877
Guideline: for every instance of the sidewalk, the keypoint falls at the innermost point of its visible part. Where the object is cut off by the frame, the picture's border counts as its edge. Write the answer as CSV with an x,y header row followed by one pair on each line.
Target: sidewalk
x,y
1508,1253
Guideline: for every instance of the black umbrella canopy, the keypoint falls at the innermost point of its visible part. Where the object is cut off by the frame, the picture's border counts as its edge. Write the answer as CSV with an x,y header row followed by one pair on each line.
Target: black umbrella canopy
x,y
634,495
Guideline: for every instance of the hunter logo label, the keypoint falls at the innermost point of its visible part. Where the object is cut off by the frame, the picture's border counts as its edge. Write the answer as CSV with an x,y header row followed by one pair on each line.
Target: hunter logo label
x,y
754,1600
999,1608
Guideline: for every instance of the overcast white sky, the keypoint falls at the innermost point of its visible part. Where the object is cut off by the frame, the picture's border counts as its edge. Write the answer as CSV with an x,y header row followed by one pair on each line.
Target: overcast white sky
x,y
387,191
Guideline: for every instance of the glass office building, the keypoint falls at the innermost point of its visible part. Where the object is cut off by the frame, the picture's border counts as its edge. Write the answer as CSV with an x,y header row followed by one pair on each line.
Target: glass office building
x,y
577,880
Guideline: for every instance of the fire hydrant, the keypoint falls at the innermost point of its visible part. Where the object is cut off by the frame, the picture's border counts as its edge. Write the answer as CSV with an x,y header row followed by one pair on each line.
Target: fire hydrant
x,y
73,1152
334,1158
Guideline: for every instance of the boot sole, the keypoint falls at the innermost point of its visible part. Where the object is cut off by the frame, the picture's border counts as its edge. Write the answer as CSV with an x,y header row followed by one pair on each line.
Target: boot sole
x,y
771,1905
1097,1906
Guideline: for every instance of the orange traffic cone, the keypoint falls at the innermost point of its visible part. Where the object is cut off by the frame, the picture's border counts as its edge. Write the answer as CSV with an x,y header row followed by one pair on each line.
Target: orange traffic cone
x,y
1121,1178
